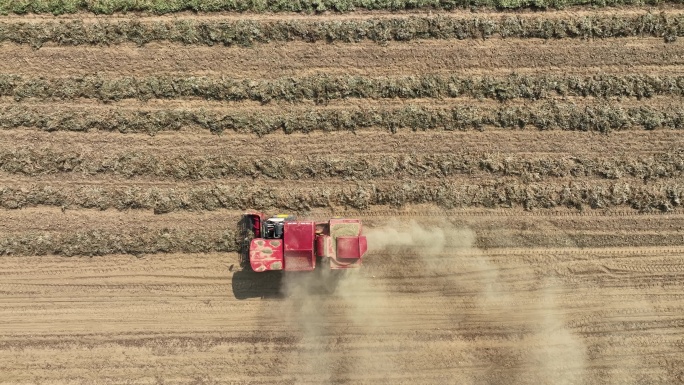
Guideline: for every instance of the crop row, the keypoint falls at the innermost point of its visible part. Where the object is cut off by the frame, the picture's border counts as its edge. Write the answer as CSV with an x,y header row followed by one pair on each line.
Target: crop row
x,y
448,194
323,88
247,32
603,117
139,242
179,166
145,241
102,242
58,7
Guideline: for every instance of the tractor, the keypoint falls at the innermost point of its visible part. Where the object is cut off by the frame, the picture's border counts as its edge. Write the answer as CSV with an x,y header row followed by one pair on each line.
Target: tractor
x,y
281,242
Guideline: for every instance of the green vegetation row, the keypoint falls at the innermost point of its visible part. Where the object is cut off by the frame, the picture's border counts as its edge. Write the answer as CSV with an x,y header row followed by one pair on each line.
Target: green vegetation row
x,y
248,32
102,242
323,88
58,7
602,117
179,166
498,193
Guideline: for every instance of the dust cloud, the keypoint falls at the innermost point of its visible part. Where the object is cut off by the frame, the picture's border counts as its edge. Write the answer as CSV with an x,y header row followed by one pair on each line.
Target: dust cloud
x,y
328,307
548,352
474,290
431,241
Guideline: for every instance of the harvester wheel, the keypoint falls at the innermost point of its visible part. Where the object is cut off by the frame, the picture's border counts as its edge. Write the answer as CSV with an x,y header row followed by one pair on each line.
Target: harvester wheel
x,y
246,234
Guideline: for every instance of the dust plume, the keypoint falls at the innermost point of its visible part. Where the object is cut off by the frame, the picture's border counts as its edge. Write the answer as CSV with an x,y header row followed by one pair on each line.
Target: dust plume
x,y
545,351
480,296
305,311
556,355
431,241
326,307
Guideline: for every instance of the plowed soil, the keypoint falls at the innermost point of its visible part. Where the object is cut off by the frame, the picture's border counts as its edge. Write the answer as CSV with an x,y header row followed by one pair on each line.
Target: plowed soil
x,y
497,255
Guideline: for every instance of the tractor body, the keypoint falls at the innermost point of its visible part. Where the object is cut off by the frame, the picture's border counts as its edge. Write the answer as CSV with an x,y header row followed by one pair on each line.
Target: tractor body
x,y
284,243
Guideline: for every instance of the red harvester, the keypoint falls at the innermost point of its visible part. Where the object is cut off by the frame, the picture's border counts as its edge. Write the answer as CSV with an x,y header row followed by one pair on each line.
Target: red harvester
x,y
283,243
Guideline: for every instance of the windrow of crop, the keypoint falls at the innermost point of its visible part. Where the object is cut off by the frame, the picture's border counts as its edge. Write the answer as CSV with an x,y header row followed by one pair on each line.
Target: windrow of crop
x,y
499,193
323,88
246,32
139,242
601,117
123,241
46,161
58,7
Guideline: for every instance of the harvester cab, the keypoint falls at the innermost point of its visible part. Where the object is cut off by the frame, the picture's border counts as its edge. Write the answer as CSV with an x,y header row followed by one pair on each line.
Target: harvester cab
x,y
275,226
282,242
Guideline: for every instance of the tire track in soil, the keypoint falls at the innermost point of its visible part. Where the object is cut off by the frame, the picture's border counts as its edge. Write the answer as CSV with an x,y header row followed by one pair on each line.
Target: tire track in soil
x,y
491,310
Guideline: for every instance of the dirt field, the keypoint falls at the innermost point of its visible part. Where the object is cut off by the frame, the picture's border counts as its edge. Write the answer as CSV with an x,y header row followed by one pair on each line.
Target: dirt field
x,y
520,233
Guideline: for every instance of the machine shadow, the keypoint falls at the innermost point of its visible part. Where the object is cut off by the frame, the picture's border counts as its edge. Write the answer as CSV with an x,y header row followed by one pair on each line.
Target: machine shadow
x,y
249,284
246,283
274,284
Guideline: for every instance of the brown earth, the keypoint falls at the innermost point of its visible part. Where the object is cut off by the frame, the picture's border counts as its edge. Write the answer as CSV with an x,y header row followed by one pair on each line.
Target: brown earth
x,y
492,56
463,294
451,313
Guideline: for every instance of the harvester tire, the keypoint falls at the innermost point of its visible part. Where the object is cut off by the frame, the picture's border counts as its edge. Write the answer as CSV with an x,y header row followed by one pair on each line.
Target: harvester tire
x,y
246,234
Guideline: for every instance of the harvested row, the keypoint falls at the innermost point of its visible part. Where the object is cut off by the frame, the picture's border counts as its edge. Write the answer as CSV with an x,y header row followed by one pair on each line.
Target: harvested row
x,y
58,7
210,164
248,32
98,242
86,232
145,241
500,193
323,88
47,231
553,115
184,313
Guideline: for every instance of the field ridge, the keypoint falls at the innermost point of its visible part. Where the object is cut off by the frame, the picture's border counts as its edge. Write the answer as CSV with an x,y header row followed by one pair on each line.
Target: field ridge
x,y
108,7
246,32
